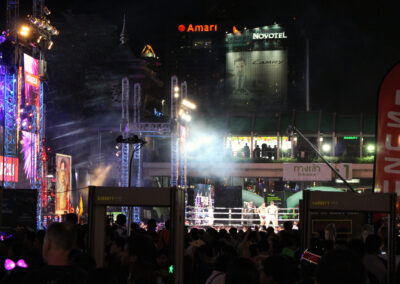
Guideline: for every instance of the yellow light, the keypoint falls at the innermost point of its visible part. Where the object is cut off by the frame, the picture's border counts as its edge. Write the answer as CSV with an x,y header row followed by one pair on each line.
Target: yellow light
x,y
176,95
188,104
39,39
176,89
50,45
180,112
24,31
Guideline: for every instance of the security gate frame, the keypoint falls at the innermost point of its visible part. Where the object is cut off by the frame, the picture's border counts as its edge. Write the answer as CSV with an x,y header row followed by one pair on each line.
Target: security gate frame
x,y
101,197
321,201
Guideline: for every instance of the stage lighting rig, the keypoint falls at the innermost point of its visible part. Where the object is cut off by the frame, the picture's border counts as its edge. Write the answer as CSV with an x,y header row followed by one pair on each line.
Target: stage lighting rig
x,y
130,140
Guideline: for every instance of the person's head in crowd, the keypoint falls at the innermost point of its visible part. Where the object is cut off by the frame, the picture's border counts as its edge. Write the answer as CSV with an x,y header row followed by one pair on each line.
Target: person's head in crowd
x,y
357,246
162,258
121,220
373,244
117,246
279,269
253,250
263,247
287,225
366,230
167,225
270,231
58,243
274,246
340,266
241,270
330,232
233,232
151,225
71,219
222,262
194,234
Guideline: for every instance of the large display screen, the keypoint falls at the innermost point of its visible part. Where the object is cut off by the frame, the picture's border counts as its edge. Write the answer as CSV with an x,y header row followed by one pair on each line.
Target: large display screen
x,y
63,184
32,80
256,80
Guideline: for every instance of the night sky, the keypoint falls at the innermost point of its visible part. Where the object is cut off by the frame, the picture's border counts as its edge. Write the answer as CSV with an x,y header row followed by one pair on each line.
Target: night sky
x,y
352,43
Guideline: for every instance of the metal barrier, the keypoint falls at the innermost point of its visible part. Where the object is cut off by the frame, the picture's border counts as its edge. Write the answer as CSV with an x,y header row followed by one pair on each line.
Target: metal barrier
x,y
223,216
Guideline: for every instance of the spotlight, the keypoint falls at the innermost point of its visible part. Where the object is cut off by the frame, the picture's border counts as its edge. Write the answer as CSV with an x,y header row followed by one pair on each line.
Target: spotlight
x,y
186,117
24,31
39,39
50,45
188,104
176,95
176,89
326,148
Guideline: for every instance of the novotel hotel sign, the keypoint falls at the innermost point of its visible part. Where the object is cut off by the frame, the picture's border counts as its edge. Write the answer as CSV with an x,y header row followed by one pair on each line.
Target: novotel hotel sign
x,y
269,35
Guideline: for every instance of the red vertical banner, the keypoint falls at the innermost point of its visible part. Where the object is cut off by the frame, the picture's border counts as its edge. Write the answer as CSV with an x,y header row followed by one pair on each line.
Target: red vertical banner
x,y
387,161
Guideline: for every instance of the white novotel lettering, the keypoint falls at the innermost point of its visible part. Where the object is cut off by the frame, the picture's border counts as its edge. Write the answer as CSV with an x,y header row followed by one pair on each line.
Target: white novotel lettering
x,y
269,35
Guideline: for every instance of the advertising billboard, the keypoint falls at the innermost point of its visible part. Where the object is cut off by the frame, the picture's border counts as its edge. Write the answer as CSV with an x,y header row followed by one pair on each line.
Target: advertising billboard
x,y
32,80
8,169
306,172
256,80
63,184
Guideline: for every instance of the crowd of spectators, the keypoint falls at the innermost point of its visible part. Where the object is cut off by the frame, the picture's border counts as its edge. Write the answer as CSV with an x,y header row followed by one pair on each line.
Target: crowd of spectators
x,y
227,255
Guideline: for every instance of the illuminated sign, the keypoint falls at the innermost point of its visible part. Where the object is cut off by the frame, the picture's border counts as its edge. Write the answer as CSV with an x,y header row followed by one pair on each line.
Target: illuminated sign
x,y
269,35
350,137
197,28
10,170
32,80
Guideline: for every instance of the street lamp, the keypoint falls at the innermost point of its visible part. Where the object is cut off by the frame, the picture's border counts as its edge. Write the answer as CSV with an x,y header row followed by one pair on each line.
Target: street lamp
x,y
371,148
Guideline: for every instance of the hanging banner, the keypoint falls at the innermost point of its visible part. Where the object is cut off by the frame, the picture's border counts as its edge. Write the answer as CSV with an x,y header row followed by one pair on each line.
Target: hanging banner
x,y
32,80
306,172
387,160
63,184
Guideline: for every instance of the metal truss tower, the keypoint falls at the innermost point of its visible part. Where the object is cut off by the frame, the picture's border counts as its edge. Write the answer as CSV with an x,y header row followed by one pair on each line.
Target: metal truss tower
x,y
182,144
125,131
137,151
174,131
151,129
10,131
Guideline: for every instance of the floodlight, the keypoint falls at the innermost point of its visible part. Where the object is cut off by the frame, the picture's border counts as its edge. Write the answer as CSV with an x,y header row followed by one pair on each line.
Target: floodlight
x,y
24,30
188,104
326,148
371,148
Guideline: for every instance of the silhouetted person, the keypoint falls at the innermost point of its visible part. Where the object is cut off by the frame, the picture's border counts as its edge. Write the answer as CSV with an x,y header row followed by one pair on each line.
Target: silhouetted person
x,y
269,152
58,243
340,266
241,270
264,150
246,151
257,152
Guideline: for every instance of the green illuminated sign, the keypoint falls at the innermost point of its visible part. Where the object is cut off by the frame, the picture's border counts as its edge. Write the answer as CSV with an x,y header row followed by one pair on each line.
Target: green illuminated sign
x,y
350,137
171,269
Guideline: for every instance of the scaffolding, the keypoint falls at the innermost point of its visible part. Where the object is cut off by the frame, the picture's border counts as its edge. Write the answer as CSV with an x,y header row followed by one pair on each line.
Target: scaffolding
x,y
151,129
